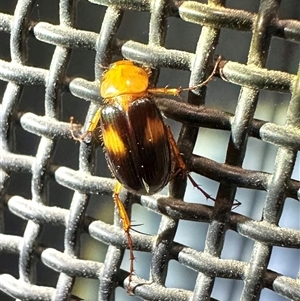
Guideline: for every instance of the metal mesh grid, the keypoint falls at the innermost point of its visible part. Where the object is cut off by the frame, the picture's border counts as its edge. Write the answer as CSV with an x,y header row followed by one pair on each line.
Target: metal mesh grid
x,y
33,248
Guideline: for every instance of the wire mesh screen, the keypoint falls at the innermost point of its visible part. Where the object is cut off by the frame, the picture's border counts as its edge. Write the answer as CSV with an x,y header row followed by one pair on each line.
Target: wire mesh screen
x,y
239,136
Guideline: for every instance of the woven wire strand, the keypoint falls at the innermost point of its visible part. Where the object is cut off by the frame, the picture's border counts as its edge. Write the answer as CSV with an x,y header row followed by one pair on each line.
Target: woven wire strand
x,y
66,264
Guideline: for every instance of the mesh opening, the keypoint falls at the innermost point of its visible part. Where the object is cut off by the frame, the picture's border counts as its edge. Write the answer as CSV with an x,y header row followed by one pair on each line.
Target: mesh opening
x,y
60,238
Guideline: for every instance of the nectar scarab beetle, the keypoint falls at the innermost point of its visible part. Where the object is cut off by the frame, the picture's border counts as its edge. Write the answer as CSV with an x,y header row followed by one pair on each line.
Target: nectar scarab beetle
x,y
133,132
140,149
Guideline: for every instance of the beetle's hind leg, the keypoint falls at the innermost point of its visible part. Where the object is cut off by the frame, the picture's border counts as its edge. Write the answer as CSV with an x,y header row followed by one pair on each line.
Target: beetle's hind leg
x,y
126,224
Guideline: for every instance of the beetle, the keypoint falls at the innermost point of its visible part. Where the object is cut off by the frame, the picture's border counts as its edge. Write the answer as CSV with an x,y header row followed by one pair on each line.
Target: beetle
x,y
139,147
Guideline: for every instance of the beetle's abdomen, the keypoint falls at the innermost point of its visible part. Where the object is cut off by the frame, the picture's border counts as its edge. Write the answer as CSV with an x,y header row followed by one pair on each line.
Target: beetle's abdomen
x,y
136,145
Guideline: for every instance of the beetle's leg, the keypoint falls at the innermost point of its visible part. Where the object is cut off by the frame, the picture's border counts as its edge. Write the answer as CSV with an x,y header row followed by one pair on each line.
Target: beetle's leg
x,y
72,130
126,227
177,91
181,166
207,80
89,131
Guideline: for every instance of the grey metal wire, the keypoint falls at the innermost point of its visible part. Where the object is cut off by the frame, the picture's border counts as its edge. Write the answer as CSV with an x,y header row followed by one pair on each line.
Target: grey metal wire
x,y
50,127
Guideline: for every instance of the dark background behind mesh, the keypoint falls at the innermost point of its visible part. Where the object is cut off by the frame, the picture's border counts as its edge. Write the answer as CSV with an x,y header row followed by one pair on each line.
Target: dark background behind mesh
x,y
233,45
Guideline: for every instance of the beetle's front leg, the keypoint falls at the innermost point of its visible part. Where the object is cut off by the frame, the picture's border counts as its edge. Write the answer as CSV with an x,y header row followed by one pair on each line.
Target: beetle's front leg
x,y
86,136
